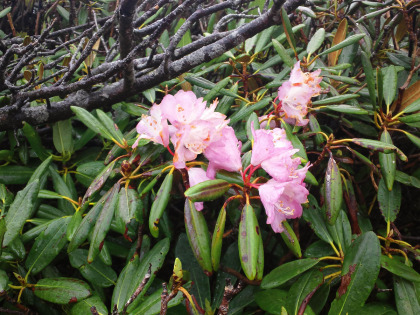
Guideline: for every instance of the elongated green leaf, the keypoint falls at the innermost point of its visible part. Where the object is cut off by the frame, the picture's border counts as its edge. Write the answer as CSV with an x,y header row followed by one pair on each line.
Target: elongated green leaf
x,y
206,84
159,205
370,80
306,283
288,29
400,269
333,192
20,210
103,223
155,257
217,239
341,231
96,272
61,188
336,99
272,300
297,144
207,190
348,109
389,201
88,221
47,246
75,221
245,111
379,146
287,271
15,174
84,306
4,12
110,126
360,269
390,84
347,42
316,41
151,305
61,290
91,122
62,136
281,51
413,138
388,162
41,170
406,297
211,95
406,179
35,141
198,236
314,216
98,182
292,242
249,234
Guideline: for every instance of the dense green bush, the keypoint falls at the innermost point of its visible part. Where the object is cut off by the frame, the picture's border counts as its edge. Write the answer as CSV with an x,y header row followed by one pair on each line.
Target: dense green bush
x,y
97,218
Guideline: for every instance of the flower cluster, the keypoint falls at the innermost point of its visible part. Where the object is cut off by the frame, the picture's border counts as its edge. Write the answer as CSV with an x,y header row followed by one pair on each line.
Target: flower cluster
x,y
282,195
194,129
295,94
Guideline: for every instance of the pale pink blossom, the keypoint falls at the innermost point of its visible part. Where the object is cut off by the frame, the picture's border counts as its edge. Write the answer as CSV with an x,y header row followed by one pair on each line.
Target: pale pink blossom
x,y
296,94
224,153
196,176
282,200
153,127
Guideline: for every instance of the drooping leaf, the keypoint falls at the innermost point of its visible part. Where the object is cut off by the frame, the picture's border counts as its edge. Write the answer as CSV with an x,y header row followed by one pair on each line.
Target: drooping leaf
x,y
62,290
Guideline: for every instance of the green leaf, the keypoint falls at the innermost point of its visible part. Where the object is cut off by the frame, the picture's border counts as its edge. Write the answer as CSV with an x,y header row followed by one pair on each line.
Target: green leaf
x,y
98,182
272,300
186,38
360,270
4,12
388,162
61,188
103,223
406,297
211,95
316,220
376,308
85,226
41,170
129,206
390,84
347,109
96,272
289,237
20,210
91,122
297,144
4,280
316,41
333,191
347,42
61,290
62,136
288,29
206,84
201,287
207,190
155,257
217,239
413,138
307,283
413,107
84,306
63,12
341,231
287,271
248,241
284,55
198,236
35,141
400,269
111,126
151,305
246,110
379,146
389,201
370,79
47,246
335,99
159,204
406,179
15,174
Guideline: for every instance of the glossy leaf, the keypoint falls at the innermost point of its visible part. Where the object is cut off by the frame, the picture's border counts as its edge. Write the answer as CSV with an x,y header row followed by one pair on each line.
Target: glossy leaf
x,y
287,271
84,306
400,269
207,190
333,191
91,121
389,201
379,146
103,223
61,290
292,242
390,84
347,42
335,99
211,95
360,269
20,210
249,234
315,217
159,204
62,136
47,246
198,236
370,80
388,162
284,55
406,297
98,182
110,126
217,239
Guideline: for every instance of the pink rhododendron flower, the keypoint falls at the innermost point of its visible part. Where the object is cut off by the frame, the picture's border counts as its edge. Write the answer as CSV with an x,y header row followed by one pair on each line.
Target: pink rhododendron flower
x,y
153,127
296,93
197,175
224,153
282,200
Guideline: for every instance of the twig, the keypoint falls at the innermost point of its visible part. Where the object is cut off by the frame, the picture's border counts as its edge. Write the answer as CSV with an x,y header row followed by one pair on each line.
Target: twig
x,y
138,290
238,275
228,295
